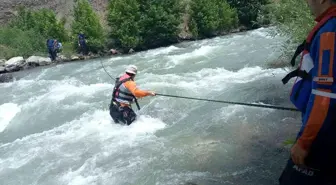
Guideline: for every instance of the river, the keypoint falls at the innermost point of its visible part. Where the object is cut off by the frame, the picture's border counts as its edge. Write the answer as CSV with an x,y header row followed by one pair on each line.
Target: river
x,y
55,127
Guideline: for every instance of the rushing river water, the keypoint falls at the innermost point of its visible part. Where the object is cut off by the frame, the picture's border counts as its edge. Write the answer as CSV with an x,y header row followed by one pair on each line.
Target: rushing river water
x,y
55,127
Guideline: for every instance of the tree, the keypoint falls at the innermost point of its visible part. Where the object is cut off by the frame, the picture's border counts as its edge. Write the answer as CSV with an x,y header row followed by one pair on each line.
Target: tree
x,y
42,21
144,24
124,19
86,21
160,22
292,18
47,25
209,18
248,10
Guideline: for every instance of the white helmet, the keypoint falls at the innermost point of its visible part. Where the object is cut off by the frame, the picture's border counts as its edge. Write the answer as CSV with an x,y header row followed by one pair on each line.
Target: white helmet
x,y
132,69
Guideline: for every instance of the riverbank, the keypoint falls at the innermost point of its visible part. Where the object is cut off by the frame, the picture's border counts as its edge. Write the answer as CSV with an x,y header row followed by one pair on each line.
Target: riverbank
x,y
20,63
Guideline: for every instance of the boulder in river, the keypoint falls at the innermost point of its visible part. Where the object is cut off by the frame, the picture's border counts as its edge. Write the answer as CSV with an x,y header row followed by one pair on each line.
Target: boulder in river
x,y
2,62
74,58
2,69
19,61
62,58
7,77
38,61
14,64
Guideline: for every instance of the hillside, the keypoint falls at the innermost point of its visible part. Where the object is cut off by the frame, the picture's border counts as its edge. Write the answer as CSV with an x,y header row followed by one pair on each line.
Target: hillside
x,y
63,8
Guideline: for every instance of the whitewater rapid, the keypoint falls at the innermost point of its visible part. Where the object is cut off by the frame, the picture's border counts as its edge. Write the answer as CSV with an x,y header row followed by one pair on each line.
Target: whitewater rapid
x,y
55,127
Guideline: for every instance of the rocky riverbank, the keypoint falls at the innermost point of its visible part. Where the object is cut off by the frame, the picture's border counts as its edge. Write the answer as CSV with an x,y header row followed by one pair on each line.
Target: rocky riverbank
x,y
20,63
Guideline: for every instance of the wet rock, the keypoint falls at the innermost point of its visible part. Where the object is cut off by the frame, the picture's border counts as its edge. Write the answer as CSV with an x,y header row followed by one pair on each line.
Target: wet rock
x,y
2,69
7,77
2,62
38,61
17,61
12,68
74,58
131,51
62,58
14,64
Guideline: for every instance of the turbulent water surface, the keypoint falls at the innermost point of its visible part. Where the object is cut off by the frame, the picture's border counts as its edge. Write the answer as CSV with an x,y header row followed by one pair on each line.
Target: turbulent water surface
x,y
55,127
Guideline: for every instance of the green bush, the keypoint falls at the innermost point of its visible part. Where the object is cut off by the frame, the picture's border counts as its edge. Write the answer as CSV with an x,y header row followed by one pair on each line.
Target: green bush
x,y
248,11
294,21
124,19
42,22
16,42
87,22
293,18
160,22
144,23
210,18
27,33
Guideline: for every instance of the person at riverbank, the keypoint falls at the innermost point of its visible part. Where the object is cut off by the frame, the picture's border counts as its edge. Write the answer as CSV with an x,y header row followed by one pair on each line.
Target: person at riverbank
x,y
83,49
52,48
125,93
59,47
313,155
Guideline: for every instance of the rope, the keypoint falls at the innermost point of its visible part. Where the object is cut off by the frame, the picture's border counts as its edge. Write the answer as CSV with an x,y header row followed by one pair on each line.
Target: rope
x,y
105,70
230,102
218,101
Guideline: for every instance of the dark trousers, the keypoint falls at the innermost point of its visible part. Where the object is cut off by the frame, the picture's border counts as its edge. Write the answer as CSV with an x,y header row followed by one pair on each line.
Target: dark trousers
x,y
321,159
83,48
122,114
52,53
303,175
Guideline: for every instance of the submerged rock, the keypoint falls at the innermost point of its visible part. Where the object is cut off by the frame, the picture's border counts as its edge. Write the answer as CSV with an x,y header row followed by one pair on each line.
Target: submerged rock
x,y
7,77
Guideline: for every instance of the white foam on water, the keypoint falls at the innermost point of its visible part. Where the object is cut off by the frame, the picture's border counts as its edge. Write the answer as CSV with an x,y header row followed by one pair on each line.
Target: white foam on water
x,y
7,113
262,32
92,149
160,51
201,52
90,130
112,59
61,90
217,79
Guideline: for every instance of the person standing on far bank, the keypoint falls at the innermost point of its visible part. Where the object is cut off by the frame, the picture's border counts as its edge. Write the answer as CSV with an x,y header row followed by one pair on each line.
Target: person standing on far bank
x,y
313,155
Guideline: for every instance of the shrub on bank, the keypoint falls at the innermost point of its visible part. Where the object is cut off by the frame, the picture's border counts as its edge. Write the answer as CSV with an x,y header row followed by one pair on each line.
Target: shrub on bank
x,y
210,18
87,22
137,24
27,33
293,18
17,42
248,11
294,21
42,22
144,24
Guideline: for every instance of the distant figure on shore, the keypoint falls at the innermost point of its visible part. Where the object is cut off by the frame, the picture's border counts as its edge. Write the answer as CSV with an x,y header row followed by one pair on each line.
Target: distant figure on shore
x,y
83,49
52,48
59,47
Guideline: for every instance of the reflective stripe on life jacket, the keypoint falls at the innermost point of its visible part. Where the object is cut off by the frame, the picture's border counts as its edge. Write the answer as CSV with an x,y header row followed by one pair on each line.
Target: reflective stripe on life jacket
x,y
302,87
